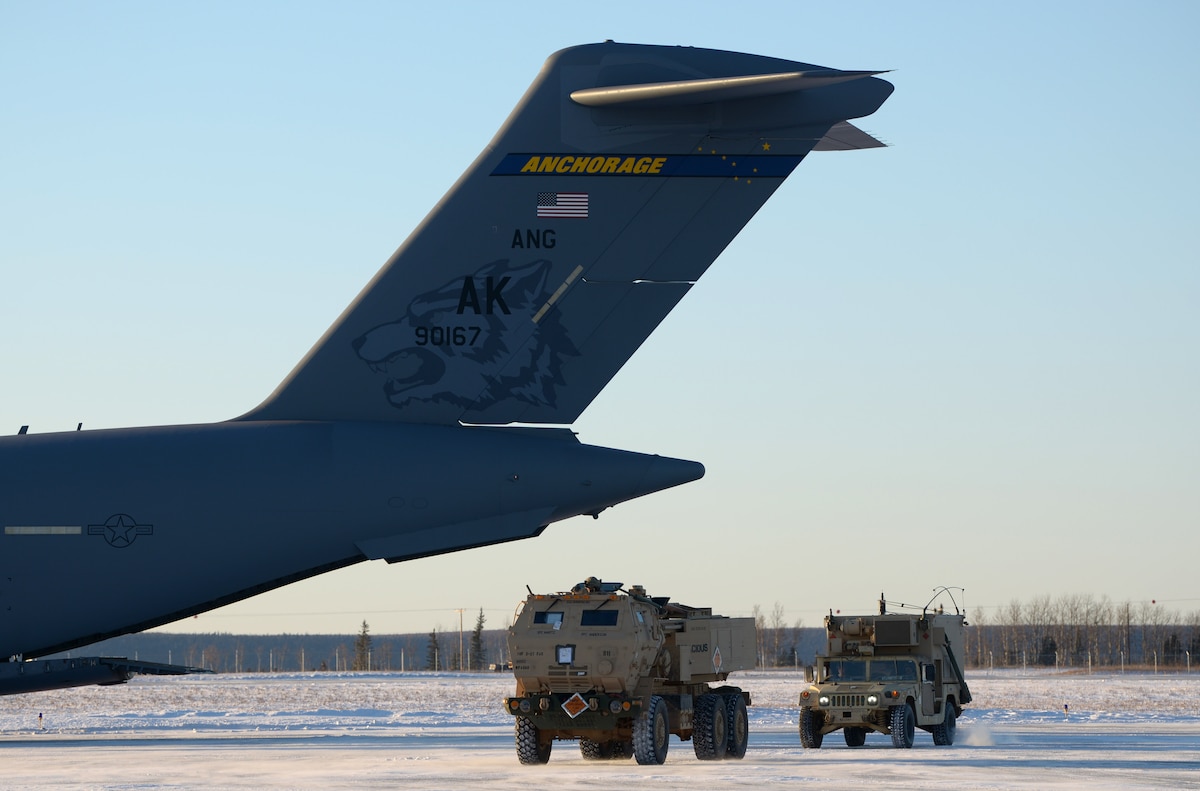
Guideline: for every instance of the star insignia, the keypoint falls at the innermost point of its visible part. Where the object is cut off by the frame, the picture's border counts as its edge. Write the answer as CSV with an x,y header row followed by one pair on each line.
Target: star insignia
x,y
120,530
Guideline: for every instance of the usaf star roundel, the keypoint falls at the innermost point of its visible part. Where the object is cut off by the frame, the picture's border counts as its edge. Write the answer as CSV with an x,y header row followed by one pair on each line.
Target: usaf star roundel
x,y
120,530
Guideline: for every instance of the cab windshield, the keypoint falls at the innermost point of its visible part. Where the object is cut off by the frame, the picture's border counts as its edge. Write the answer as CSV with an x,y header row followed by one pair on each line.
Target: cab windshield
x,y
846,670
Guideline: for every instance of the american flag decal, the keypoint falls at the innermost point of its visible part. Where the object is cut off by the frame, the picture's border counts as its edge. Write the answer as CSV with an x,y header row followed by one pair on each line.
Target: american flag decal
x,y
562,204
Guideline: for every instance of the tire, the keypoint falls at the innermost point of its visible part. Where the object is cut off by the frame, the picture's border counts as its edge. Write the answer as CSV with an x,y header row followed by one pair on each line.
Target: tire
x,y
651,733
943,734
708,728
810,729
855,737
613,749
592,751
737,726
903,725
621,750
530,751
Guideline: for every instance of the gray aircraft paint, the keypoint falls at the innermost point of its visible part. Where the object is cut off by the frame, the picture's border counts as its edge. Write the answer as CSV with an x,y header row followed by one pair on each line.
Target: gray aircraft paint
x,y
621,175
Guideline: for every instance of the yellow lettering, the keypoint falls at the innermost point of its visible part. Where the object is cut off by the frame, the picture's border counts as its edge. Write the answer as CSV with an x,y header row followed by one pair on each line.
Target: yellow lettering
x,y
539,163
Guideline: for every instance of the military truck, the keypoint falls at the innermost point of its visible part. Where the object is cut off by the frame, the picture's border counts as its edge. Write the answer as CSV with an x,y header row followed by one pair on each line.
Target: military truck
x,y
621,671
887,673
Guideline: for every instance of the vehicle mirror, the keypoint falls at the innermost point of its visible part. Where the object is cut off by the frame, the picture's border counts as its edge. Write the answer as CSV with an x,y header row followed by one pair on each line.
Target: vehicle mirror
x,y
929,675
810,674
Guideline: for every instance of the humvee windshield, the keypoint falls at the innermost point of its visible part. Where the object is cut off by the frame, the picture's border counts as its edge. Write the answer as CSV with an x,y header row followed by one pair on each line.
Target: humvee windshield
x,y
846,670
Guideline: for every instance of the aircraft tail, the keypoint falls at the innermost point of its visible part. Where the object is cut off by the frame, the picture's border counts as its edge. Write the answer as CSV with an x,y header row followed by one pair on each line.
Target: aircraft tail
x,y
621,175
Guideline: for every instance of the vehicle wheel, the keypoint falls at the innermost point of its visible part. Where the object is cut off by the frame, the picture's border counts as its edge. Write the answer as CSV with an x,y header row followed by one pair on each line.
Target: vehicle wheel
x,y
903,725
708,728
810,728
651,736
737,726
621,750
943,734
592,751
603,751
529,749
855,737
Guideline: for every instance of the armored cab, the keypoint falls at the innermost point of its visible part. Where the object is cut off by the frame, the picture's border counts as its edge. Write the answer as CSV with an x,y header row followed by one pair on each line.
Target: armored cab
x,y
620,671
887,673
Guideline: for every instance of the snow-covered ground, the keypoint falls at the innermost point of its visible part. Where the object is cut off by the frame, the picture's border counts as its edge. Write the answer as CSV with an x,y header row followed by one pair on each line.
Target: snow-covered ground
x,y
448,731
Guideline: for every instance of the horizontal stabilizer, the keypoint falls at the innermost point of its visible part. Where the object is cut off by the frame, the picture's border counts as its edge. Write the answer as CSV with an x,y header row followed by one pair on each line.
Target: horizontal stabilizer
x,y
45,674
464,535
845,136
722,89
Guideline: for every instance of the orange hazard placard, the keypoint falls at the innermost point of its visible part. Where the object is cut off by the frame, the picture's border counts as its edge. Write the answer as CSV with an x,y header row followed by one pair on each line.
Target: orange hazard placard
x,y
574,705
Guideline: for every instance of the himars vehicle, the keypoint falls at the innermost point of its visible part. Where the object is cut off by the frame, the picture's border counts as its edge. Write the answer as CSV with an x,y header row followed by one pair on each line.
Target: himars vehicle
x,y
621,671
621,175
888,673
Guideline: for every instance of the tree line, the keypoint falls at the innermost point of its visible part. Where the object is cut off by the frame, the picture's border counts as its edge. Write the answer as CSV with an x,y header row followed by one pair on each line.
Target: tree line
x,y
1071,631
1080,631
250,653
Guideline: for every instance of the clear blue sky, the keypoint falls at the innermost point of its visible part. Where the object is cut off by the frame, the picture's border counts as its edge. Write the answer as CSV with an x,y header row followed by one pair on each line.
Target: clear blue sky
x,y
972,358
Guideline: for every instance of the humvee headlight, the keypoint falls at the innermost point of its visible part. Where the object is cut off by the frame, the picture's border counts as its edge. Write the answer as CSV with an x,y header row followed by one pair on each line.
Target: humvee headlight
x,y
525,705
823,700
614,706
872,700
513,703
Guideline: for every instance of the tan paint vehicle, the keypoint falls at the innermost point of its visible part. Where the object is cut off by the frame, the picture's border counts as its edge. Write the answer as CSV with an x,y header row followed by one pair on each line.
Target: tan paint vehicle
x,y
620,671
889,674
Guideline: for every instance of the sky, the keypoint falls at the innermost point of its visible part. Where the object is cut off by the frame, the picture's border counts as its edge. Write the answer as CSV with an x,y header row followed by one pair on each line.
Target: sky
x,y
970,359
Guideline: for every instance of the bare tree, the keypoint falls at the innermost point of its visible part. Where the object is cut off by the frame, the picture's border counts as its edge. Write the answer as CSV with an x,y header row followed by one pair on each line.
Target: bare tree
x,y
777,624
760,629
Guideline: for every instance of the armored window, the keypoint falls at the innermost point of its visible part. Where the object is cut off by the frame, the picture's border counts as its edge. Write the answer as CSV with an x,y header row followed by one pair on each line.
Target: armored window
x,y
550,618
599,618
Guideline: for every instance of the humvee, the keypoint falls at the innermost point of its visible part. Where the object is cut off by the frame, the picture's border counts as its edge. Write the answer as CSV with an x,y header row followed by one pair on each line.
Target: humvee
x,y
887,673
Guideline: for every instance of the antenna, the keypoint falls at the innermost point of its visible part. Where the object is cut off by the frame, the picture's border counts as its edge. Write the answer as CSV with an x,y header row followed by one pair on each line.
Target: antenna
x,y
947,590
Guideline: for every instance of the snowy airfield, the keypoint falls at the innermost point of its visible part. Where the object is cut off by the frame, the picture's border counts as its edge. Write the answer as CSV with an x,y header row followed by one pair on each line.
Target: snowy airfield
x,y
448,731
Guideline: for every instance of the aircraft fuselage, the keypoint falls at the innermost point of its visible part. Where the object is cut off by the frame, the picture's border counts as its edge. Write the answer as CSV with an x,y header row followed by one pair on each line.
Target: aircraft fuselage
x,y
160,523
